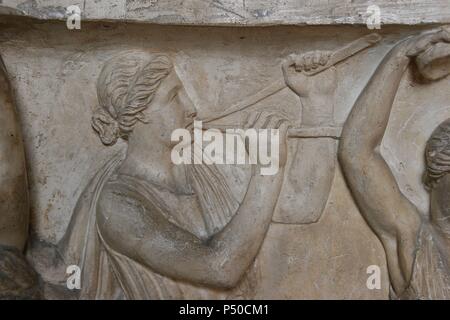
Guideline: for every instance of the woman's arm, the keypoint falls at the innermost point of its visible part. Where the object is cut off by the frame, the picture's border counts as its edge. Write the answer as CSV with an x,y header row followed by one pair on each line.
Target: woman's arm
x,y
148,237
389,213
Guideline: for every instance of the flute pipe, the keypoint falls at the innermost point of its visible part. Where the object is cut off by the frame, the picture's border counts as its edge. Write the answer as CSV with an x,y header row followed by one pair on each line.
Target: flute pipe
x,y
268,91
338,56
346,52
296,132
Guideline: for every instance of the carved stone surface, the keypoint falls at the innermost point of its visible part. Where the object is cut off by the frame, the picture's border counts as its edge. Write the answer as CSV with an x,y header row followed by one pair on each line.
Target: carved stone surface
x,y
240,12
17,279
87,118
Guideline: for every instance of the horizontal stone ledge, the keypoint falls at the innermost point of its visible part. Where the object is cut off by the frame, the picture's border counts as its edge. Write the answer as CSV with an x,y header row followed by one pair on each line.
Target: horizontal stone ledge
x,y
236,12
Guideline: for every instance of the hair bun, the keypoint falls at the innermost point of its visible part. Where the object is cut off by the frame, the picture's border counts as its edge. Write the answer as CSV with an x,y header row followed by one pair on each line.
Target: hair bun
x,y
106,126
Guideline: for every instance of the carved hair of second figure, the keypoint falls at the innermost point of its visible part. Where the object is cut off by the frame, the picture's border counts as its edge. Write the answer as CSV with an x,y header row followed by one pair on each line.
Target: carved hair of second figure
x,y
131,232
417,248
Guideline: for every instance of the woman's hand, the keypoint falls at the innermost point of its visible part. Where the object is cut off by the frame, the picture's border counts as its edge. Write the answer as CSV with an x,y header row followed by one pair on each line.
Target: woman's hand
x,y
271,120
303,85
413,46
422,42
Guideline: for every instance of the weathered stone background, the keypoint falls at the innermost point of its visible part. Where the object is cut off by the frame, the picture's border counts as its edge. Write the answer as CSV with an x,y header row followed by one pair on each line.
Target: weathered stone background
x,y
54,73
240,12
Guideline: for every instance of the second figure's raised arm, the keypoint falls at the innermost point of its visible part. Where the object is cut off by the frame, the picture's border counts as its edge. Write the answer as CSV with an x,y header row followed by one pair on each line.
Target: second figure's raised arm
x,y
387,211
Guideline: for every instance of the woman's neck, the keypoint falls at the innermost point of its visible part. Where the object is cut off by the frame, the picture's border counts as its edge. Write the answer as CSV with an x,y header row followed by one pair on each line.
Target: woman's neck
x,y
149,163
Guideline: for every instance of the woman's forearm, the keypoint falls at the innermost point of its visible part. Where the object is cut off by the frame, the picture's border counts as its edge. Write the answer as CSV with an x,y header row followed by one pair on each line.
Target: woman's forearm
x,y
367,122
238,243
388,212
218,262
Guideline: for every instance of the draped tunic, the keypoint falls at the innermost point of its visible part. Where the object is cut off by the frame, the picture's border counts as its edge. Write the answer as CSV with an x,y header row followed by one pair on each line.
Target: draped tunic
x,y
108,274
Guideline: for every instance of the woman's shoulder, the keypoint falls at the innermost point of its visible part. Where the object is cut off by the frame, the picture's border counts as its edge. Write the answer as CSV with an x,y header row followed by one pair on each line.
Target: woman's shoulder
x,y
121,216
117,204
116,195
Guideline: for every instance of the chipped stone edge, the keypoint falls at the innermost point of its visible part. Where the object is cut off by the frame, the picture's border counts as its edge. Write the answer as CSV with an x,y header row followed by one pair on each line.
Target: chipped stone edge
x,y
160,19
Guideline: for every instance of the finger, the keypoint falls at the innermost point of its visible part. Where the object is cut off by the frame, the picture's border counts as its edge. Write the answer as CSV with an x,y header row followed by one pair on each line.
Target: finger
x,y
299,66
286,68
417,48
323,59
438,36
273,122
426,41
316,58
308,62
282,123
290,60
251,119
277,120
300,63
287,62
268,119
284,127
446,33
262,119
419,43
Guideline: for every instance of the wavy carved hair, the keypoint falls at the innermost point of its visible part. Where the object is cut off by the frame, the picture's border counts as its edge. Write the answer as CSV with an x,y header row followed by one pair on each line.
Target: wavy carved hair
x,y
125,88
437,154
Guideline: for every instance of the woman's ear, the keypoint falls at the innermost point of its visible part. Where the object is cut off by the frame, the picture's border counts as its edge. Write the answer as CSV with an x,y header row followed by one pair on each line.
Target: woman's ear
x,y
143,117
106,126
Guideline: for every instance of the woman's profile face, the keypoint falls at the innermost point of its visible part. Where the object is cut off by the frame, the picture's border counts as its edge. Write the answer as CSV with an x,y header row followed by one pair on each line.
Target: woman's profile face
x,y
170,108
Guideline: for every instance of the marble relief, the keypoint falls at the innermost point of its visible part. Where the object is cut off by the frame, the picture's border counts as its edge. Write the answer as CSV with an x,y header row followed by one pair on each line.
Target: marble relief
x,y
86,141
